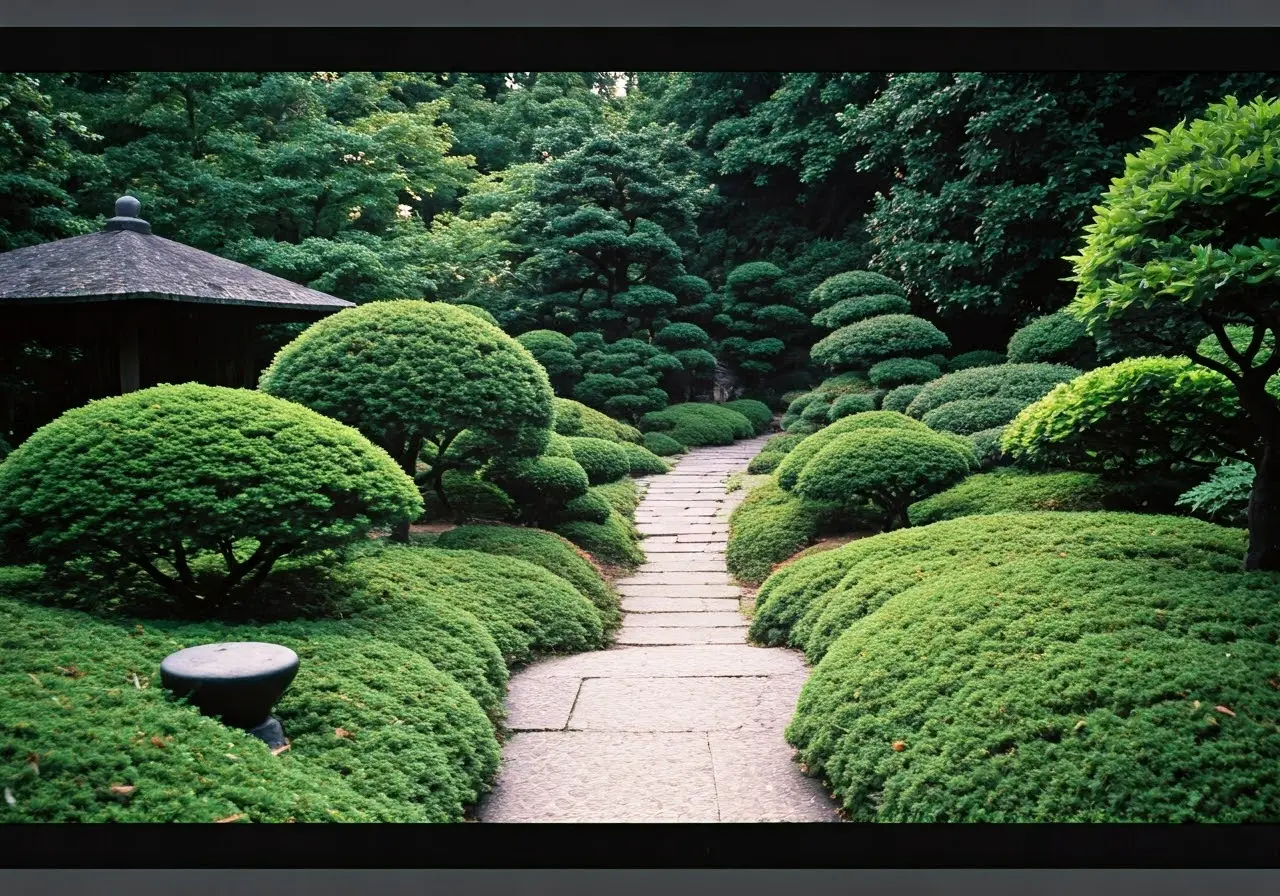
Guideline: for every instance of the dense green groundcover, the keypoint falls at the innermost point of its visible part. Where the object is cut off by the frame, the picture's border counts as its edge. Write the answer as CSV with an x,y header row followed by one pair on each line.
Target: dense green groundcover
x,y
809,604
1011,490
552,552
662,444
528,610
89,735
1071,686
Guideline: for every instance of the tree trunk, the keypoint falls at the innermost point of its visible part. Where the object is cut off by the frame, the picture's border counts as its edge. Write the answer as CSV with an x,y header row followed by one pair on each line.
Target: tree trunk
x,y
1264,512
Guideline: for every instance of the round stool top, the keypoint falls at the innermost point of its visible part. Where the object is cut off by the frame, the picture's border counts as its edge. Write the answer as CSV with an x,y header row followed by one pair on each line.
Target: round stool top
x,y
230,660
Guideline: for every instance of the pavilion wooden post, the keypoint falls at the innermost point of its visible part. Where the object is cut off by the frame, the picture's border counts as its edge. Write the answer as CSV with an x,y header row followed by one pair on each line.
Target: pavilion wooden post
x,y
130,365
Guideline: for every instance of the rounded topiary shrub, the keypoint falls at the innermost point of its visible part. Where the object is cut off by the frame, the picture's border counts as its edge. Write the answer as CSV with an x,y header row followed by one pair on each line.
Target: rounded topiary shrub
x,y
414,376
902,371
1053,339
818,411
978,358
987,447
642,461
470,498
696,424
850,311
971,415
900,398
851,403
540,486
662,444
572,418
772,525
853,284
757,412
1022,382
872,340
603,461
890,468
614,541
804,451
765,462
163,477
477,311
682,335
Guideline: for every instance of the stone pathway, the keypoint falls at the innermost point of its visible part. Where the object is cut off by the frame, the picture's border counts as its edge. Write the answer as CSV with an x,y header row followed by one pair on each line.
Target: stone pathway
x,y
682,720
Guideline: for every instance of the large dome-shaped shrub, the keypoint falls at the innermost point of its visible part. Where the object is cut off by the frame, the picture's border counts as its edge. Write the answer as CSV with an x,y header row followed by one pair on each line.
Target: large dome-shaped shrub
x,y
894,372
162,477
416,376
603,461
1023,382
890,468
541,486
878,338
970,415
806,449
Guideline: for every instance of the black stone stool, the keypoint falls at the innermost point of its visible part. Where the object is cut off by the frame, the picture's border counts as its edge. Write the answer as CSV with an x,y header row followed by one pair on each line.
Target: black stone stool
x,y
239,681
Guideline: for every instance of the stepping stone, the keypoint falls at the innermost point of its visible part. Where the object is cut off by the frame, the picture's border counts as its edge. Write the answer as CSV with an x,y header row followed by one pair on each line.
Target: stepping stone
x,y
672,662
647,634
677,605
604,776
757,780
677,563
682,592
674,547
643,577
702,538
700,620
680,704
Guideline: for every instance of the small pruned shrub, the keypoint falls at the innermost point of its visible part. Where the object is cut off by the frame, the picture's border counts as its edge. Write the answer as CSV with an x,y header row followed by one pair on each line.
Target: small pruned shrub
x,y
978,358
573,418
1053,339
1022,382
470,498
852,403
902,371
643,462
850,311
772,525
889,468
852,284
541,486
807,449
898,399
697,424
757,412
986,448
603,461
613,542
970,415
662,444
202,488
765,462
1007,490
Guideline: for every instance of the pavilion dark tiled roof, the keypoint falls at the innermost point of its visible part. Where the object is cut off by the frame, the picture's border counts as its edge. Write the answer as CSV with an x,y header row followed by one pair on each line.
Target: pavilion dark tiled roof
x,y
126,261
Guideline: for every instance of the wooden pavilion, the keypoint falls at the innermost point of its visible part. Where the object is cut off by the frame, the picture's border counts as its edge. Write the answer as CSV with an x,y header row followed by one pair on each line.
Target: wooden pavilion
x,y
123,309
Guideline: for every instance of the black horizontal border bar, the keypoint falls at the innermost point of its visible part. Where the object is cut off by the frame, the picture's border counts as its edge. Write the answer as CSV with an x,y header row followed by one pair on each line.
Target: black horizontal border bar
x,y
603,846
640,49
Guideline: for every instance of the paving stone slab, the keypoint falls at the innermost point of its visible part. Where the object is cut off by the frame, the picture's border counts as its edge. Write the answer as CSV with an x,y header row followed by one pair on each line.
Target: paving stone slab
x,y
604,776
681,704
684,563
672,662
705,619
539,704
710,577
707,538
758,780
646,634
683,592
677,605
671,547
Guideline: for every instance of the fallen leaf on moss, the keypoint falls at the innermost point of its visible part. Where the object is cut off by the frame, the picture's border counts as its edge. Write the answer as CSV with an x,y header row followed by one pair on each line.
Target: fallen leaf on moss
x,y
899,746
71,672
230,818
276,751
123,789
343,732
1225,711
9,798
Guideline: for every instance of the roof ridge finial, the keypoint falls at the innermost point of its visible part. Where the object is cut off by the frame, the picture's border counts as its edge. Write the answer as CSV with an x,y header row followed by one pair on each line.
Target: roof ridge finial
x,y
127,209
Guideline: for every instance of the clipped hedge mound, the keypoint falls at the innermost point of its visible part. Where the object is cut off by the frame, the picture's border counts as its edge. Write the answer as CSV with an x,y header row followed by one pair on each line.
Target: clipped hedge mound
x,y
528,610
614,541
663,445
789,470
552,552
902,372
986,447
1069,688
643,462
877,338
573,418
898,399
377,732
850,311
970,415
770,526
773,451
602,460
1053,339
1021,382
697,424
470,497
979,358
1007,490
853,403
810,603
757,412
